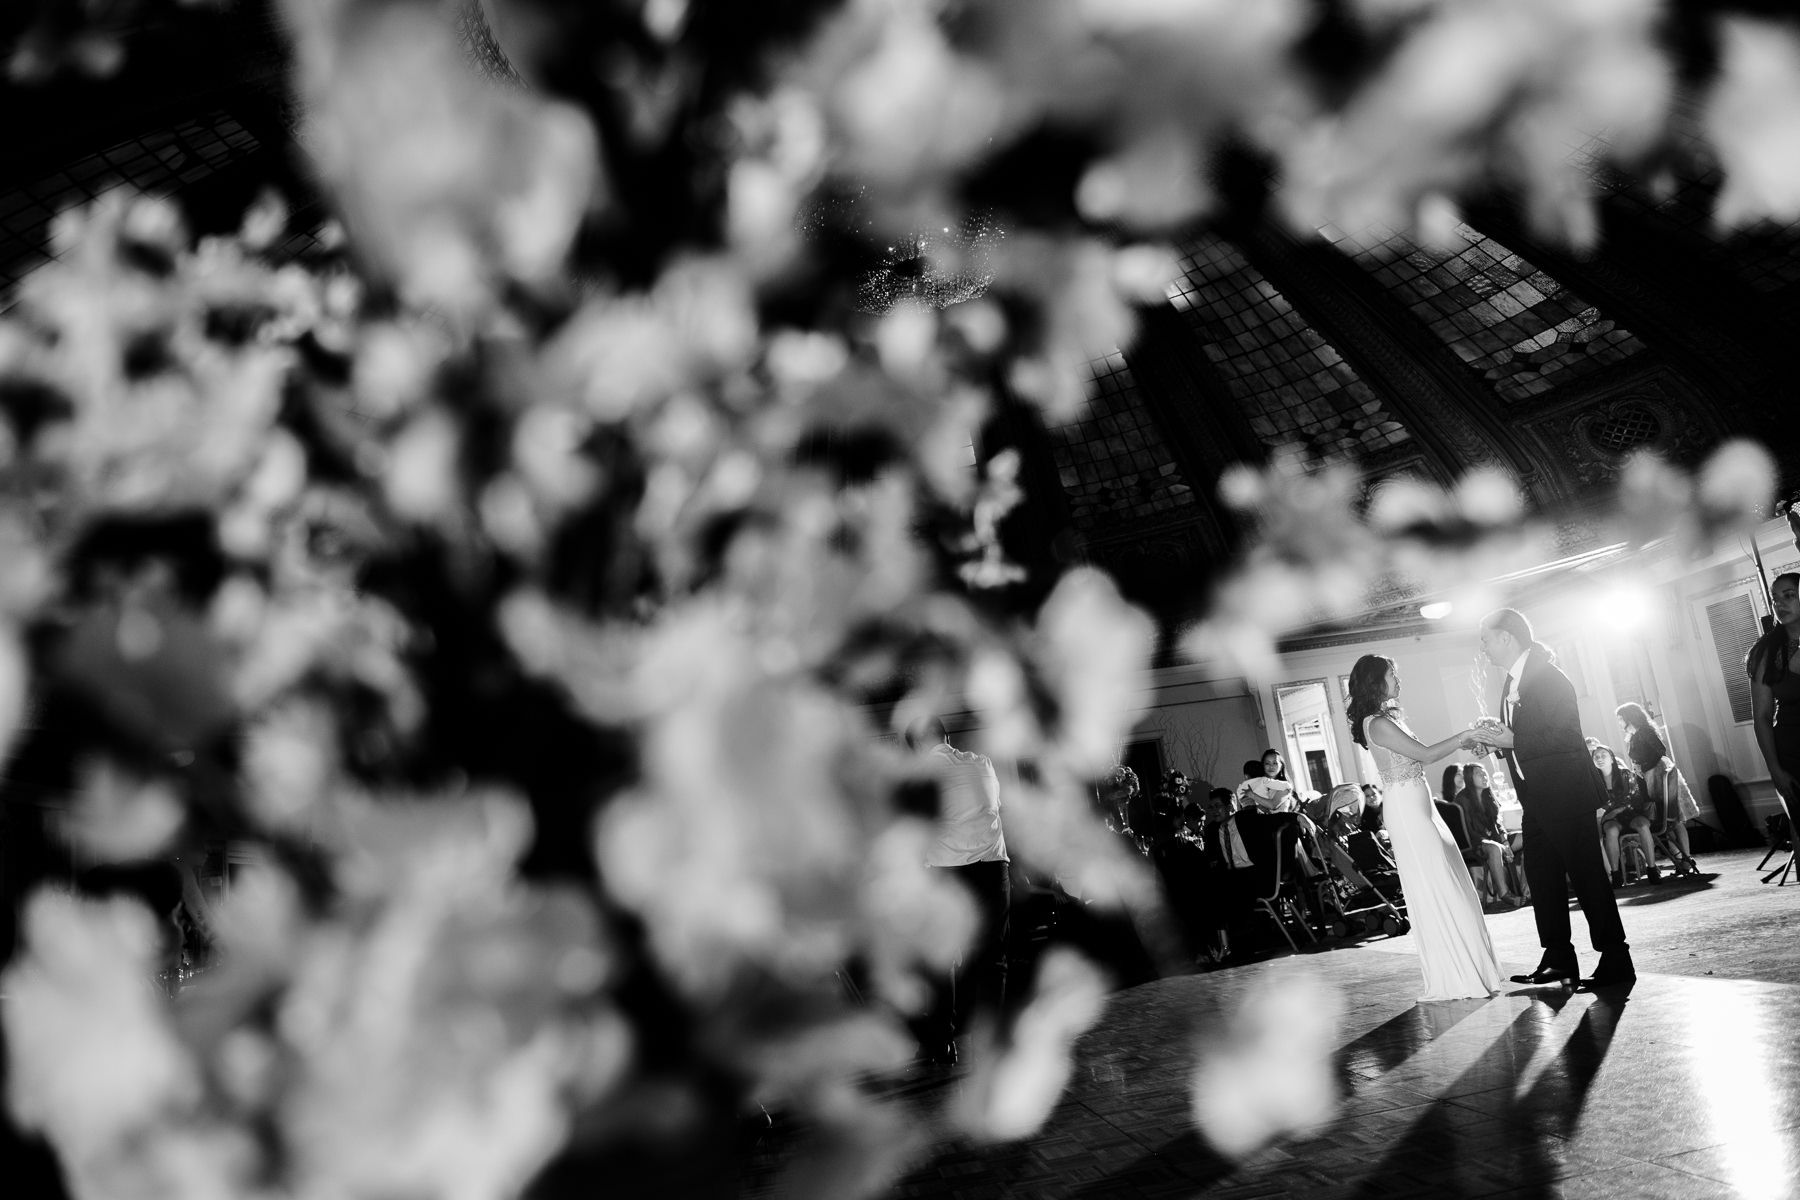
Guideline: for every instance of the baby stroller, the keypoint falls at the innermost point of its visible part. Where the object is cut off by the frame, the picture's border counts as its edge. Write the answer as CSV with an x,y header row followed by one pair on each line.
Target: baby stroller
x,y
1367,880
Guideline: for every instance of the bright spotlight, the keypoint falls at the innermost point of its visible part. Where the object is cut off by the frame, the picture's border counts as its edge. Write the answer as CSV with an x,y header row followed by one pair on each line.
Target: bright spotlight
x,y
1623,608
1437,610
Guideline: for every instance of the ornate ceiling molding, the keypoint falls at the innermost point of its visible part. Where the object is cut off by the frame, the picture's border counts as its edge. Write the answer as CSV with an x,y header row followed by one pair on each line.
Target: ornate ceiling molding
x,y
1594,430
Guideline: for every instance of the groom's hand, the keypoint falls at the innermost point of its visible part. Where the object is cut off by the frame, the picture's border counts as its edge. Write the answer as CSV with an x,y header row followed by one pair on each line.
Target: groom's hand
x,y
1500,738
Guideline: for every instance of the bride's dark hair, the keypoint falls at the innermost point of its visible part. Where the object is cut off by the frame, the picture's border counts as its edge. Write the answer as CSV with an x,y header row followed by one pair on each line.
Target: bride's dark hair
x,y
1368,693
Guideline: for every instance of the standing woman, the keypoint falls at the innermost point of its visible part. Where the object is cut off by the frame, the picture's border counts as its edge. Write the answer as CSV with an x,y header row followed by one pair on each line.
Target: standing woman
x,y
1774,668
1456,956
1662,779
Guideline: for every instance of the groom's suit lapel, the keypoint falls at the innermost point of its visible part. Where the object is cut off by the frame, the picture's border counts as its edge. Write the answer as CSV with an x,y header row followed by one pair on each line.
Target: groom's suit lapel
x,y
1527,679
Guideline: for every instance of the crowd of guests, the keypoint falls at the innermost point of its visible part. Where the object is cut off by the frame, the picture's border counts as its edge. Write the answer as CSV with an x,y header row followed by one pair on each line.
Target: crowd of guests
x,y
1186,833
1210,846
1646,796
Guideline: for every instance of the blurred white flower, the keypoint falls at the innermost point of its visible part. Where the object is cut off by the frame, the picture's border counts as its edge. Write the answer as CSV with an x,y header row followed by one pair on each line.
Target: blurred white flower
x,y
1753,119
15,679
394,366
1157,182
264,222
116,816
1012,1088
909,105
1735,482
94,1063
1093,648
1507,85
1142,272
1489,497
454,187
290,764
620,354
1267,1072
421,480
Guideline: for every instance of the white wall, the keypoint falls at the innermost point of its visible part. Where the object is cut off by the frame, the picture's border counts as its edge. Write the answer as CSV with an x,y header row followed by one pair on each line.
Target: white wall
x,y
1209,723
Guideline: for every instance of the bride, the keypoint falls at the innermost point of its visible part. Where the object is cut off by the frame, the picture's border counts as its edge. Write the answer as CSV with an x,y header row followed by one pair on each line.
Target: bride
x,y
1455,952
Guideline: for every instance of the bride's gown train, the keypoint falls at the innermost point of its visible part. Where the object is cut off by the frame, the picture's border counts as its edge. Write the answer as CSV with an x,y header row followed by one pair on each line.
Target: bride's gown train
x,y
1455,952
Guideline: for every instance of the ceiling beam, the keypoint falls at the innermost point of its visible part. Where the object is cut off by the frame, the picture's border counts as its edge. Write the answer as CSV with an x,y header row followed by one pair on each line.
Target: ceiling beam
x,y
1449,410
1200,423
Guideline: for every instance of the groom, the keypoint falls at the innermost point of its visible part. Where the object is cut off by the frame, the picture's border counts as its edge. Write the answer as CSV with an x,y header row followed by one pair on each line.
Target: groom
x,y
1559,791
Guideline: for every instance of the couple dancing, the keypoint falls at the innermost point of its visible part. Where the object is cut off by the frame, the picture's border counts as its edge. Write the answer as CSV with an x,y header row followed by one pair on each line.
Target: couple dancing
x,y
1558,791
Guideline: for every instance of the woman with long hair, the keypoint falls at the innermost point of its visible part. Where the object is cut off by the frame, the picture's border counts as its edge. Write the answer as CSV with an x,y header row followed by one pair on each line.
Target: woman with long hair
x,y
1270,789
1774,668
1663,783
1482,811
1456,956
1624,808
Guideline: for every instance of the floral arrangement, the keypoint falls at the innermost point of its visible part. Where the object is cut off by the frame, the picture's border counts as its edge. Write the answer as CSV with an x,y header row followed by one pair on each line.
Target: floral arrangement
x,y
530,570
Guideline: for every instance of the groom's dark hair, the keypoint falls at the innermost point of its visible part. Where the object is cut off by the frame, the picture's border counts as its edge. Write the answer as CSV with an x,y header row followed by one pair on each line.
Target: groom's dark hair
x,y
1514,622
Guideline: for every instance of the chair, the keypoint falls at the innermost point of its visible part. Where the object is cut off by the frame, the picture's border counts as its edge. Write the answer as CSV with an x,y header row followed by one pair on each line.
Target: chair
x,y
1473,857
1659,810
1271,884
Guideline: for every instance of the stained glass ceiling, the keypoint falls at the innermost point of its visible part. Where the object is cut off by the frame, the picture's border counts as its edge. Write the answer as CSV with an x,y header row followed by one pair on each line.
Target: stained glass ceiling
x,y
1293,385
162,162
1520,328
1112,461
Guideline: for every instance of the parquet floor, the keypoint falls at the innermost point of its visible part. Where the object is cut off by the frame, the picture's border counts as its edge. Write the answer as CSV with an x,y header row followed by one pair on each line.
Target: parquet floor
x,y
1688,1088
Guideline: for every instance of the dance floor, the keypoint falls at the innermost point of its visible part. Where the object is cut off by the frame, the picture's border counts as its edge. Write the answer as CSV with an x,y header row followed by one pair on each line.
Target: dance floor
x,y
1688,1088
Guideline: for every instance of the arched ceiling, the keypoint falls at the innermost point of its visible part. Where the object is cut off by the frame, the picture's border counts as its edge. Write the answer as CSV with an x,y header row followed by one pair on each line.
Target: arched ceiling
x,y
1371,348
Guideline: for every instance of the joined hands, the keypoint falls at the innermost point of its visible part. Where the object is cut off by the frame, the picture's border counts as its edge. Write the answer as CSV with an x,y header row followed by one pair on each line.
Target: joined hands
x,y
1486,736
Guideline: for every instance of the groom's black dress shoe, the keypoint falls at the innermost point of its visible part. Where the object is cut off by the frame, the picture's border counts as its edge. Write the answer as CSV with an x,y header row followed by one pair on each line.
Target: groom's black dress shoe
x,y
1547,973
1615,970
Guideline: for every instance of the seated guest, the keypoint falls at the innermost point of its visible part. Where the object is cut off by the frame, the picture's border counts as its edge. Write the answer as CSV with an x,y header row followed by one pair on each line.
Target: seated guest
x,y
1371,818
1481,814
1452,783
1193,819
1222,908
1664,788
1624,809
1269,790
1482,856
1218,833
1252,770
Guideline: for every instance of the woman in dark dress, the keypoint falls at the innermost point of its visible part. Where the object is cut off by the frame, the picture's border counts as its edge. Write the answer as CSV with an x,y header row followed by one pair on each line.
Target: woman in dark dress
x,y
1774,667
1624,809
1664,788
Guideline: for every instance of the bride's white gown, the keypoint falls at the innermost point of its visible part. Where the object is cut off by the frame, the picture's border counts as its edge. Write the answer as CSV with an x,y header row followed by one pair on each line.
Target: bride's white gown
x,y
1455,952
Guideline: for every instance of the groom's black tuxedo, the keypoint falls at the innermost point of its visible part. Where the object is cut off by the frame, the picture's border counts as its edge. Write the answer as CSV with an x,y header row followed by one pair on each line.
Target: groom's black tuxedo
x,y
1559,791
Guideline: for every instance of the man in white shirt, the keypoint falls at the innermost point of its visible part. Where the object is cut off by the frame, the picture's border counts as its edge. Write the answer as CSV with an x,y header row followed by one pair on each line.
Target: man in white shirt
x,y
970,844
